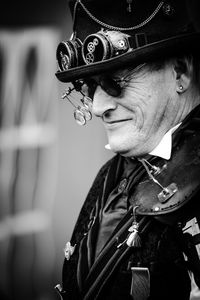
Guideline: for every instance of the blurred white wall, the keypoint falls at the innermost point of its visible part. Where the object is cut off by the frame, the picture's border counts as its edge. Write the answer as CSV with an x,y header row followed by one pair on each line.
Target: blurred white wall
x,y
81,154
47,161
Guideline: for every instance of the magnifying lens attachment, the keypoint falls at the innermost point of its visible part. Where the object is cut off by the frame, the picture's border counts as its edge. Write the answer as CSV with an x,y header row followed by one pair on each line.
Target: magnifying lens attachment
x,y
79,116
82,111
87,102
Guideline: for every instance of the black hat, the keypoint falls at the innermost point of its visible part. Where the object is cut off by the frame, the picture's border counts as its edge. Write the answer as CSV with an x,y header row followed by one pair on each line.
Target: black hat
x,y
114,34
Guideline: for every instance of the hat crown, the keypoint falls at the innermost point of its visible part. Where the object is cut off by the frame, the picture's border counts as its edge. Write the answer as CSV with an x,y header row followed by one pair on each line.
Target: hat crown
x,y
153,17
110,34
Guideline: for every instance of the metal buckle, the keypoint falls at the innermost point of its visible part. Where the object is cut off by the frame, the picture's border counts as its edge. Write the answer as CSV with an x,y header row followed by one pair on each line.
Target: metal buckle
x,y
167,192
157,170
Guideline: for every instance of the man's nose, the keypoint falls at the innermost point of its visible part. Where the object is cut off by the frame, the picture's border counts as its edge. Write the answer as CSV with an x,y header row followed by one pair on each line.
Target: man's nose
x,y
102,102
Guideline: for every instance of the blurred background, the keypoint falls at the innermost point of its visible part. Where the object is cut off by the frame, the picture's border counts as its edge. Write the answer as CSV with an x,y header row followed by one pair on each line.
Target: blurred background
x,y
47,161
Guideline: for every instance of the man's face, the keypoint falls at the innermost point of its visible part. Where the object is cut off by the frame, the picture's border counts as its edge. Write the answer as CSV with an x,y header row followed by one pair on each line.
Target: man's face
x,y
147,108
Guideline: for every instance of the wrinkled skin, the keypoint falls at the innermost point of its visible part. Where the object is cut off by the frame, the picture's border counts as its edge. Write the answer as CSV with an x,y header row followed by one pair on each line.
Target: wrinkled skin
x,y
150,104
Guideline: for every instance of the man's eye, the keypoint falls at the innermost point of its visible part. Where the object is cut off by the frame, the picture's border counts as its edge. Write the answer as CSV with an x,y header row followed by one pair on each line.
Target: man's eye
x,y
110,86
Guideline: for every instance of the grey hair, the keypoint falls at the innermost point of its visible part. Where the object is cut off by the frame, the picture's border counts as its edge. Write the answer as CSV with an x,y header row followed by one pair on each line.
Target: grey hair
x,y
191,64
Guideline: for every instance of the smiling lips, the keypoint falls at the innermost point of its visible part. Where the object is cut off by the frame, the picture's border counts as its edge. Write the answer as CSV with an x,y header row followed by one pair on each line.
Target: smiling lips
x,y
116,121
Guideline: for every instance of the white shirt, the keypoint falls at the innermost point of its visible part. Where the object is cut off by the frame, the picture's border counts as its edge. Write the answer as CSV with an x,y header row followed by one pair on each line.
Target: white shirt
x,y
164,148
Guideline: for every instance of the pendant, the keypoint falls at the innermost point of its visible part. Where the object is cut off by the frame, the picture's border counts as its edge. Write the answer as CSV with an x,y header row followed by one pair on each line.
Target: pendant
x,y
133,239
68,250
129,2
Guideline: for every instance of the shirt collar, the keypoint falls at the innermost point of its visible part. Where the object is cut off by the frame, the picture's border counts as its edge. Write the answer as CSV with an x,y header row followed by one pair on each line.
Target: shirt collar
x,y
164,148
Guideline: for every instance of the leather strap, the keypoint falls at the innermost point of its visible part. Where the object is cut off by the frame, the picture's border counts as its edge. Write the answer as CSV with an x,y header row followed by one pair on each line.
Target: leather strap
x,y
140,285
182,169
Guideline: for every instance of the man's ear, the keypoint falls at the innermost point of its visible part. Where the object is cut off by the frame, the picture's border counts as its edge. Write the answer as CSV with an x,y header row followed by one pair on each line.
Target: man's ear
x,y
183,70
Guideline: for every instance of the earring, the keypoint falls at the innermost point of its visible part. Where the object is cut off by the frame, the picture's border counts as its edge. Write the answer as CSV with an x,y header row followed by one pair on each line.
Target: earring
x,y
180,87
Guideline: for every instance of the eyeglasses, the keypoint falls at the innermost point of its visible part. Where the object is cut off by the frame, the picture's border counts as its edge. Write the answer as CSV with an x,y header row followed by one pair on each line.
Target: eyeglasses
x,y
112,85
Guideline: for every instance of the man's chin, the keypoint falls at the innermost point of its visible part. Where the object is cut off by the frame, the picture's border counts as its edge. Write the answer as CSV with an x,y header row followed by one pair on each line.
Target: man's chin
x,y
121,150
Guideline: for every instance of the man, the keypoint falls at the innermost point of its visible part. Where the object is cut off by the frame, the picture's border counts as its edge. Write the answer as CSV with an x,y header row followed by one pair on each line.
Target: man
x,y
136,64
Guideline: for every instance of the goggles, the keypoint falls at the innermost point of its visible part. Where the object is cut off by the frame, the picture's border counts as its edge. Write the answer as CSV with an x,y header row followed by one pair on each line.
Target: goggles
x,y
96,47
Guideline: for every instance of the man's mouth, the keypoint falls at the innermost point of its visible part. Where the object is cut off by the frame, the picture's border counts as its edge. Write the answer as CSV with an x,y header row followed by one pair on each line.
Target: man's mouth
x,y
116,121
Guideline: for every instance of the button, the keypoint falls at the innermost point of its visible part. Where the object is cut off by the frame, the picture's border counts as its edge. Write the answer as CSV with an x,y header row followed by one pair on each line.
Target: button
x,y
168,10
122,185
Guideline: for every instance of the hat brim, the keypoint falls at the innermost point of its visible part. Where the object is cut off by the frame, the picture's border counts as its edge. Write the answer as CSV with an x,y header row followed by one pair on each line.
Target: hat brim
x,y
154,51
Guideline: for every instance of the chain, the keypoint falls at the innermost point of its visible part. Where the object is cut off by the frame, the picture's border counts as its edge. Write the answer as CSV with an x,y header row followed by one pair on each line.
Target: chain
x,y
143,161
114,27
